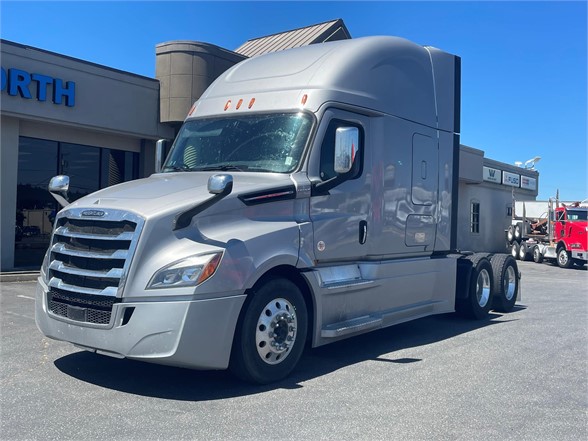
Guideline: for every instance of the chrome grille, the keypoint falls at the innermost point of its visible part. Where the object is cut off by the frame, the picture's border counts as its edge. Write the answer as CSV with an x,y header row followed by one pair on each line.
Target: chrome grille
x,y
89,259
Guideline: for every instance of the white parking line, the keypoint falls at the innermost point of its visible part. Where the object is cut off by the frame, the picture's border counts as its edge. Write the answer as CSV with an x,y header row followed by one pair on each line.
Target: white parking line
x,y
19,315
25,297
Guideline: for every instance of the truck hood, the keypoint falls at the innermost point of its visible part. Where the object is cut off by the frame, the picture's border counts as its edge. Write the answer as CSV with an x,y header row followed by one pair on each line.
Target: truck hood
x,y
163,192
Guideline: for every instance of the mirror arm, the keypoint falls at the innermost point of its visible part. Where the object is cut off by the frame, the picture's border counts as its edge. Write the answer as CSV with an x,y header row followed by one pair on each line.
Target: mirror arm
x,y
322,188
184,219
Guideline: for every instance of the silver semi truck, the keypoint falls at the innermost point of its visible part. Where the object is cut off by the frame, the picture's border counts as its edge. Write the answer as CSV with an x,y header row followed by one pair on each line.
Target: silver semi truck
x,y
310,196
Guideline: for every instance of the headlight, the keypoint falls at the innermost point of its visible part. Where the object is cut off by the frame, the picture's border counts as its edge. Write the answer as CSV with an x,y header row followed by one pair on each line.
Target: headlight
x,y
190,271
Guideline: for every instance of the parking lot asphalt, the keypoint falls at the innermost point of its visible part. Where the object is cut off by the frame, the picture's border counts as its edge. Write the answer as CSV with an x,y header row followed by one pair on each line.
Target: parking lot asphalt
x,y
519,376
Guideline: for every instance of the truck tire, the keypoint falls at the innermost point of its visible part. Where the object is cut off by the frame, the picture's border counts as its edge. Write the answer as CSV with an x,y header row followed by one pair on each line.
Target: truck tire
x,y
514,250
537,256
518,231
510,234
523,251
271,333
478,302
505,285
564,259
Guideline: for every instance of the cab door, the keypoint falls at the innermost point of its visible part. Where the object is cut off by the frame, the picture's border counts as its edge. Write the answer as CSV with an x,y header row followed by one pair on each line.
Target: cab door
x,y
340,205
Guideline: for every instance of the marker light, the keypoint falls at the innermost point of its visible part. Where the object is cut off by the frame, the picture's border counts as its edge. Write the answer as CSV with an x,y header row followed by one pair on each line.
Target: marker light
x,y
304,98
190,271
239,103
228,105
251,103
192,110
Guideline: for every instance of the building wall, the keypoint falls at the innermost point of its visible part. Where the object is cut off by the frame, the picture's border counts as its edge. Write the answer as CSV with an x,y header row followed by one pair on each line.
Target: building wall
x,y
185,69
54,99
9,130
494,201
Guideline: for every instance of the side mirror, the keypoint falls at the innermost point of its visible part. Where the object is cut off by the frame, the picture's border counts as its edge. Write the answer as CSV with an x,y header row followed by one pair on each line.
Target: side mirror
x,y
160,147
58,187
220,184
346,148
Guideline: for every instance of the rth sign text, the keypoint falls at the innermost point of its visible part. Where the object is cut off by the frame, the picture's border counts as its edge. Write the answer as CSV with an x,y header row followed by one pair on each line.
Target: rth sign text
x,y
17,82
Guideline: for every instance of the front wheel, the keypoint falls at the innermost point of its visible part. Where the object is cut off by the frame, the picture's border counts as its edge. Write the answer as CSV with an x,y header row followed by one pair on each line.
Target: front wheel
x,y
270,336
564,259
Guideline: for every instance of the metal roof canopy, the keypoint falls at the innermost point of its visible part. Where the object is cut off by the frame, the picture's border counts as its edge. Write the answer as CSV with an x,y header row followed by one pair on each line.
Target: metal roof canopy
x,y
319,33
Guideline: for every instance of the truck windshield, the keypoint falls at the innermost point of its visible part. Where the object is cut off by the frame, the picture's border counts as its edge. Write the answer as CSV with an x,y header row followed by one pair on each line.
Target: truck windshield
x,y
256,143
574,215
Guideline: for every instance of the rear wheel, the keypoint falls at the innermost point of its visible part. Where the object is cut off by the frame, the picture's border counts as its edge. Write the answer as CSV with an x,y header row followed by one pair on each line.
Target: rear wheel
x,y
537,256
564,259
506,282
518,231
514,250
479,298
271,334
523,251
510,234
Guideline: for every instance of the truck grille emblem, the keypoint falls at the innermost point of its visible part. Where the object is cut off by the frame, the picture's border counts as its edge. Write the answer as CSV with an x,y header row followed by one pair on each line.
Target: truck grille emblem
x,y
93,213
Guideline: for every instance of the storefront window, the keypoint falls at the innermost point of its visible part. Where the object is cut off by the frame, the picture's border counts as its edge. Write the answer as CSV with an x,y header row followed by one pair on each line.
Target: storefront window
x,y
89,168
82,164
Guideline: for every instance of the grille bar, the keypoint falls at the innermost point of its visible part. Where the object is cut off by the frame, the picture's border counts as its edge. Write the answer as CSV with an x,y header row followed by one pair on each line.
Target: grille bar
x,y
64,249
113,273
67,232
60,284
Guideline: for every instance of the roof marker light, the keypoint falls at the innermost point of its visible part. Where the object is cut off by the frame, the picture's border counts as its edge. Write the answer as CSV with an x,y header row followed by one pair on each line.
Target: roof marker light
x,y
239,103
192,109
251,103
228,105
304,98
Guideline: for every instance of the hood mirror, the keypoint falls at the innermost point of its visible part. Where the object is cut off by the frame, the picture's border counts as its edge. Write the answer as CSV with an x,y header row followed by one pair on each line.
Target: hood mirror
x,y
58,187
220,184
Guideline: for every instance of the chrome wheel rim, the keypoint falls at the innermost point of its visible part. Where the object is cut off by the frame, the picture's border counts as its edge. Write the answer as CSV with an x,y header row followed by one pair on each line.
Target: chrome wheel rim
x,y
483,288
510,283
275,334
563,257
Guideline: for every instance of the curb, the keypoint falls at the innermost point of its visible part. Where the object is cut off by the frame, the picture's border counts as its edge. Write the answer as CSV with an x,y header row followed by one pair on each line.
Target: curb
x,y
19,276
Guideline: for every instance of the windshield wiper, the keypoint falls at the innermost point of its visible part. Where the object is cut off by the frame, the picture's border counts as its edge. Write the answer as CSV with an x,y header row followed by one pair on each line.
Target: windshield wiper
x,y
225,167
177,168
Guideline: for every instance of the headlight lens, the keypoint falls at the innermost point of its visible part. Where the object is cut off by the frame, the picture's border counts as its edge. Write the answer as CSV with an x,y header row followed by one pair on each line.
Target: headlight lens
x,y
190,271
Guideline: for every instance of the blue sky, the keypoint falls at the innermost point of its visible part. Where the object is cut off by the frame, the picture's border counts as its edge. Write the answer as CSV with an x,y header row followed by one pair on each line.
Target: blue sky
x,y
524,64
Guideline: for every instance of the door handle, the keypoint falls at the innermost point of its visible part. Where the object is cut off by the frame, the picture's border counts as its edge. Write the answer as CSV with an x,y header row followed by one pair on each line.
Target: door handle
x,y
362,232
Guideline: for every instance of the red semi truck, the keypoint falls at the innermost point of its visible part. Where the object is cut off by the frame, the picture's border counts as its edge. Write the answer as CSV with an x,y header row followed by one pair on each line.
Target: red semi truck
x,y
559,235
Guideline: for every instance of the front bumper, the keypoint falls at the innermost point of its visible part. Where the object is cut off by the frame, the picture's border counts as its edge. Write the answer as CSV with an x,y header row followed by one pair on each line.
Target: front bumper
x,y
580,255
196,334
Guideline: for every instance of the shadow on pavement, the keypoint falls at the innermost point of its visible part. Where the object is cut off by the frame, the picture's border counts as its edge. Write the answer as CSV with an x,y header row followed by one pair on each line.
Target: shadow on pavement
x,y
166,382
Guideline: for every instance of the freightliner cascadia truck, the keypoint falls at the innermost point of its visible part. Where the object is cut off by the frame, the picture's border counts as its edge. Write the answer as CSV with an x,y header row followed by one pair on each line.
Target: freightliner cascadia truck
x,y
309,196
